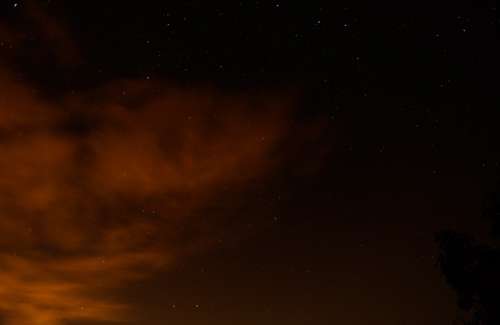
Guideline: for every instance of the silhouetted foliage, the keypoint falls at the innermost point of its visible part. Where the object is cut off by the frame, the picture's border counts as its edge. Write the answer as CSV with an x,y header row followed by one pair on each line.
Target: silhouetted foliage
x,y
472,269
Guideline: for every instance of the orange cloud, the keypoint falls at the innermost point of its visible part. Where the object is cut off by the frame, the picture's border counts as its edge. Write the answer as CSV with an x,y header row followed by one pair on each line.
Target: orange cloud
x,y
94,188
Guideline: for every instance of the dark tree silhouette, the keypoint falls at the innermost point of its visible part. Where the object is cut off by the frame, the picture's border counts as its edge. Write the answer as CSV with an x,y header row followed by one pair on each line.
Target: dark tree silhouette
x,y
472,269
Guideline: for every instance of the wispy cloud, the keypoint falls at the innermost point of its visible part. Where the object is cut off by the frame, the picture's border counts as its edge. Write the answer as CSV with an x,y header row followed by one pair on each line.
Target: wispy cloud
x,y
94,188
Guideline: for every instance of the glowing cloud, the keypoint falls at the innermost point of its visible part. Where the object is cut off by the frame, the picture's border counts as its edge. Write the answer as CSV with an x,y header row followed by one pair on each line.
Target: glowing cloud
x,y
94,188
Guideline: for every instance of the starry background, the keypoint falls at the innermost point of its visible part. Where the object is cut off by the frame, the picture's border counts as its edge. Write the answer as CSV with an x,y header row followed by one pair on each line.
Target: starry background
x,y
390,137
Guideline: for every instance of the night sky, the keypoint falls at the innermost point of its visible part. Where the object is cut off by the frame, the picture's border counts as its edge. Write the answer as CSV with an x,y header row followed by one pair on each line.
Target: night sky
x,y
240,162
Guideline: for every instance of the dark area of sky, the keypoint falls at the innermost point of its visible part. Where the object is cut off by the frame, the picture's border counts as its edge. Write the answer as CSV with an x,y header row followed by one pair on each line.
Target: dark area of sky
x,y
391,136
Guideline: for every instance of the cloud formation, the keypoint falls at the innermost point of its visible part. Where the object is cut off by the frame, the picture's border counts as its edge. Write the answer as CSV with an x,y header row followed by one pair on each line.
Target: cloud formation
x,y
100,189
